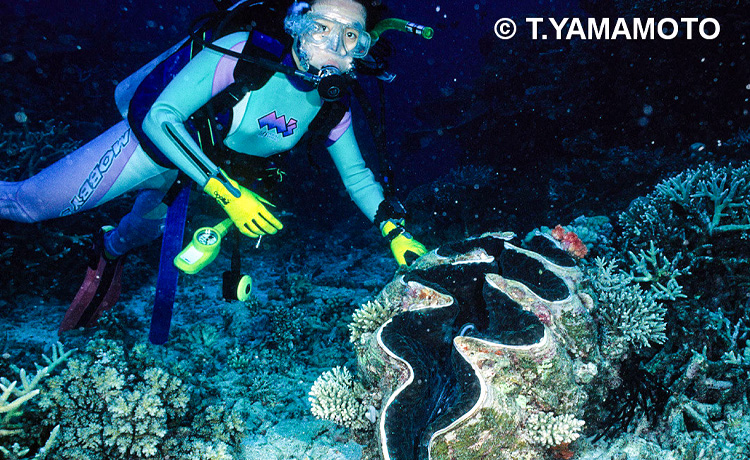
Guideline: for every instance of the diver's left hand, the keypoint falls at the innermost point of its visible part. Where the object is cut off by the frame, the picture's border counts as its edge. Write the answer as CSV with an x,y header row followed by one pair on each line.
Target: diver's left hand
x,y
404,247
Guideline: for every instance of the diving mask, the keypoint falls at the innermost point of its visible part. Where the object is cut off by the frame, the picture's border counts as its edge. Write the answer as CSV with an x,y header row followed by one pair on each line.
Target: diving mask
x,y
326,30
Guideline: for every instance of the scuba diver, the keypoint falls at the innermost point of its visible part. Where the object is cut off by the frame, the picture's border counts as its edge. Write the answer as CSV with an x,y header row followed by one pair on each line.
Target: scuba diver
x,y
163,144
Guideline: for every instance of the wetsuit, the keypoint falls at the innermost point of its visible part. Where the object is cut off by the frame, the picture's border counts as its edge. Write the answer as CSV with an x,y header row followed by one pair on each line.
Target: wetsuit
x,y
265,122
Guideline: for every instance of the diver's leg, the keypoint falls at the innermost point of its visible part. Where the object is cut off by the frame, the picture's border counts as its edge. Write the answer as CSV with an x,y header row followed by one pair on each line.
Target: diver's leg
x,y
104,168
101,287
143,224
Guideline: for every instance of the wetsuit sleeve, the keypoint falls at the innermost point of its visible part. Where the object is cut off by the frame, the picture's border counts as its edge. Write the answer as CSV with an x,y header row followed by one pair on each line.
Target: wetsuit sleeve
x,y
359,181
203,77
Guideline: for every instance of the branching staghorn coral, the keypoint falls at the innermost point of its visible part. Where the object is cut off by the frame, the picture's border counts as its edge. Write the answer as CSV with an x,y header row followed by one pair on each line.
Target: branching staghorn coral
x,y
631,317
719,196
10,410
696,225
653,267
697,204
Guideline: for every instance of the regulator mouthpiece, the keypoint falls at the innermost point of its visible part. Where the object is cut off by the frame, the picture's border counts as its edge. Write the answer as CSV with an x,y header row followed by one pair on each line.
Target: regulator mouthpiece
x,y
331,84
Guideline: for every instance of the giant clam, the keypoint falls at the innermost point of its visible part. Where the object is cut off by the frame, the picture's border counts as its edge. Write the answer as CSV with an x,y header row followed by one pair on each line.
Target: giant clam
x,y
488,356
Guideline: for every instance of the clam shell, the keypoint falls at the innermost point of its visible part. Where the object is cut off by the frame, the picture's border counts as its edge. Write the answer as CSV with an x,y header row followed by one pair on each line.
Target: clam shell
x,y
488,338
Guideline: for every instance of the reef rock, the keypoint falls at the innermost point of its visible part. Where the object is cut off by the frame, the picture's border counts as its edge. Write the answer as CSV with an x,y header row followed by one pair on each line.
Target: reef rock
x,y
487,356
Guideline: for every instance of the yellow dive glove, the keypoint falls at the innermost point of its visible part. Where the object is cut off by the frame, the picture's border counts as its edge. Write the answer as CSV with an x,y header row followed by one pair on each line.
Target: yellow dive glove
x,y
246,209
402,243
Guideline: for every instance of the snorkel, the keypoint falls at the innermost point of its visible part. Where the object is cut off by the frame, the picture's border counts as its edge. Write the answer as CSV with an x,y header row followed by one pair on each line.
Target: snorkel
x,y
301,24
330,80
400,25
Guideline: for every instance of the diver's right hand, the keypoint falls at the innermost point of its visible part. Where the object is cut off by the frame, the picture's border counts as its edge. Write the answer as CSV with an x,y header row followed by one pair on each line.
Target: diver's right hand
x,y
246,209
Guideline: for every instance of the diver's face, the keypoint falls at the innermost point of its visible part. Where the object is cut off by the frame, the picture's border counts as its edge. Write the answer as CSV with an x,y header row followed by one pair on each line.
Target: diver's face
x,y
338,25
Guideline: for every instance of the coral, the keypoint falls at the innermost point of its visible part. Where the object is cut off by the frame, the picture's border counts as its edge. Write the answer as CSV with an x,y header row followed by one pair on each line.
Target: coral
x,y
286,320
368,318
705,211
716,196
219,423
297,285
204,335
687,242
631,317
548,429
653,267
335,396
136,418
259,369
331,297
108,409
11,410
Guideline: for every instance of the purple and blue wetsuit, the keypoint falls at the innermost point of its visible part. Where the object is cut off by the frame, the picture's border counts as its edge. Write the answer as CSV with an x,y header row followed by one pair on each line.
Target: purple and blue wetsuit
x,y
265,122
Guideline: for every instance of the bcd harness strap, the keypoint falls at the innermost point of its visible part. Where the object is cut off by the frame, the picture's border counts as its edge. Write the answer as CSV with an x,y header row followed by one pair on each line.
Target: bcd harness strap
x,y
212,120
